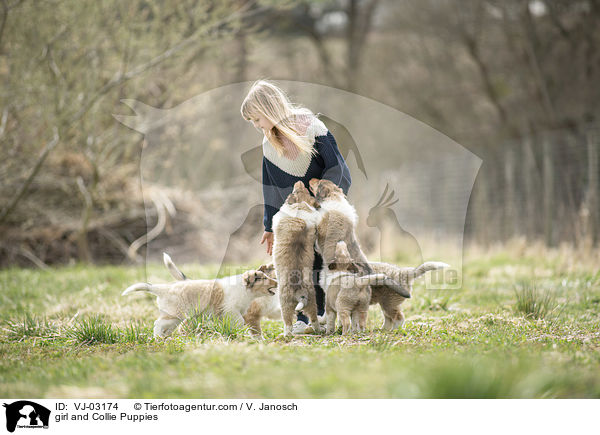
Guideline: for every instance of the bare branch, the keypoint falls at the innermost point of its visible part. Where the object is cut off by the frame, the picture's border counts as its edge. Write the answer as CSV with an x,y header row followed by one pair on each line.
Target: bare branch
x,y
359,25
316,38
474,52
120,77
3,121
82,245
32,257
115,239
3,20
38,164
531,44
5,9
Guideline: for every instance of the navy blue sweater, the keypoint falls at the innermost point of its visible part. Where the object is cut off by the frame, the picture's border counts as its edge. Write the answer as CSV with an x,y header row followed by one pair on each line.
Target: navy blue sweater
x,y
279,174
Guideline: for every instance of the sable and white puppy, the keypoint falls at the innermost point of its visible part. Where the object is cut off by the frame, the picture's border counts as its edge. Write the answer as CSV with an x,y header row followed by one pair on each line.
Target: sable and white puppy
x,y
388,298
338,222
265,306
295,233
225,296
262,307
347,294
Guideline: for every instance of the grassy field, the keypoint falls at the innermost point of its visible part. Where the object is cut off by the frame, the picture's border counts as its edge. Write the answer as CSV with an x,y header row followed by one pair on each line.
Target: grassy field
x,y
526,324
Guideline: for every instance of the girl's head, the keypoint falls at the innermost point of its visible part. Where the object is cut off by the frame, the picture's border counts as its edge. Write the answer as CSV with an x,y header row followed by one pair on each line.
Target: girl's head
x,y
269,109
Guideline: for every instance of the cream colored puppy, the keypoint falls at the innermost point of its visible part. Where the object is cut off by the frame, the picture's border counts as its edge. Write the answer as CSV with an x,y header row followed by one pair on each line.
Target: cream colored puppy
x,y
231,296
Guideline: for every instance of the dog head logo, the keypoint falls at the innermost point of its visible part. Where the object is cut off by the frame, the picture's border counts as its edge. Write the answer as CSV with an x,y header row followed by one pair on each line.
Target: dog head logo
x,y
26,414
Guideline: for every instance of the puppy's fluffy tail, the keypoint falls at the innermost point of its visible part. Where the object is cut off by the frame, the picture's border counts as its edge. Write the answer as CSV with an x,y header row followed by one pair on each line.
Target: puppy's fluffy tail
x,y
380,279
174,270
155,289
428,266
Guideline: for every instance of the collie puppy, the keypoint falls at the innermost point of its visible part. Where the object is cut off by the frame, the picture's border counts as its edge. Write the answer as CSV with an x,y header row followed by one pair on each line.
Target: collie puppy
x,y
388,298
265,306
295,231
229,296
348,295
338,222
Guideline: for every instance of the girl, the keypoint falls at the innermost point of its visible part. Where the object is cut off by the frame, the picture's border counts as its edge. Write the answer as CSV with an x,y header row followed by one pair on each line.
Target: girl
x,y
296,146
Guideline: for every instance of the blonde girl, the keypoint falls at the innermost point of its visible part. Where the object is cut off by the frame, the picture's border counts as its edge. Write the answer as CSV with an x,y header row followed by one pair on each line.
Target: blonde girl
x,y
296,146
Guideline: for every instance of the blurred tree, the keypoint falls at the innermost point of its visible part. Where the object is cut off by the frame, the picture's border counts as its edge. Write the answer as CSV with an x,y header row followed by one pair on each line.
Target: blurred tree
x,y
351,20
64,64
513,80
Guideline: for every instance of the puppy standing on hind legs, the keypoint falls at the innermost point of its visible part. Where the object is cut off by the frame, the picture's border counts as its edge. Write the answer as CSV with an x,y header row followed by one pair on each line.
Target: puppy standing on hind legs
x,y
338,222
295,230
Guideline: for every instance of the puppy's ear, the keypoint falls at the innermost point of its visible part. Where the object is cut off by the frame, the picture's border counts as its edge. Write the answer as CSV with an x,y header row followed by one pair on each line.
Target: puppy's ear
x,y
249,277
264,278
291,199
266,268
321,193
259,274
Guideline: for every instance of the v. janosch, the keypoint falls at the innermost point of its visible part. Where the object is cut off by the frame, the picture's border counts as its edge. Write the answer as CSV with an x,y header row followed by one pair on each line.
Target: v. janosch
x,y
267,407
138,417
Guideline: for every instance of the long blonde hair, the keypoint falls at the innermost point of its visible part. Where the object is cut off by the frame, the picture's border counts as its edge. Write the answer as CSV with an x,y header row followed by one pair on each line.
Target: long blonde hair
x,y
266,99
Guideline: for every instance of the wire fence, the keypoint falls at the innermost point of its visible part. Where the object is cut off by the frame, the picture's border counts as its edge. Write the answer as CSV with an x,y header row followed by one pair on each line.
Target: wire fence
x,y
544,186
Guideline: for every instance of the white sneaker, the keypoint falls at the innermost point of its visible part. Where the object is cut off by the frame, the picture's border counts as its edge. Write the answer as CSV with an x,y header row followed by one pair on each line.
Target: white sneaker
x,y
302,328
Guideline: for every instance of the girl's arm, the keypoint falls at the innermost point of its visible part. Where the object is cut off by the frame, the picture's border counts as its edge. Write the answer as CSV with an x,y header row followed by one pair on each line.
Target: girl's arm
x,y
271,199
269,210
335,169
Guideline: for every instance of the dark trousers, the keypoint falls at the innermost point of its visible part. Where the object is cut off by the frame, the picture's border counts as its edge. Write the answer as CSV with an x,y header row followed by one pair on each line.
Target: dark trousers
x,y
317,265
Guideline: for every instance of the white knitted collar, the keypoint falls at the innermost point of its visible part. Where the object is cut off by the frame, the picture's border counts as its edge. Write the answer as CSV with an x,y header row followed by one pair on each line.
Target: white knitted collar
x,y
300,164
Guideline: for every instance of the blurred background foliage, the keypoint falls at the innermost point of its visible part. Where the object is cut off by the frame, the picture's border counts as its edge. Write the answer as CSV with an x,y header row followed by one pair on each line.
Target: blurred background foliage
x,y
513,81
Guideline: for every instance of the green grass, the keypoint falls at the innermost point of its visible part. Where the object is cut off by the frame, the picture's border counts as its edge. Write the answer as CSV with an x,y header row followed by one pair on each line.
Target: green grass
x,y
94,330
534,302
519,327
207,326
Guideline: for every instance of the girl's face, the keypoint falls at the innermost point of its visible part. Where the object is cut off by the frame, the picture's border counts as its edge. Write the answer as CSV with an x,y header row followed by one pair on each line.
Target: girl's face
x,y
260,121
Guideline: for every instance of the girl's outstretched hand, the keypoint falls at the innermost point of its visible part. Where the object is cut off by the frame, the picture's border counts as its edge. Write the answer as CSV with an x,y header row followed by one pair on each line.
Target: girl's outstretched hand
x,y
268,237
